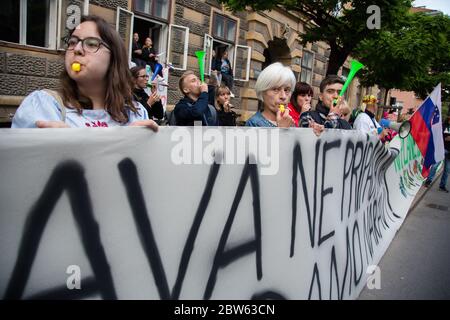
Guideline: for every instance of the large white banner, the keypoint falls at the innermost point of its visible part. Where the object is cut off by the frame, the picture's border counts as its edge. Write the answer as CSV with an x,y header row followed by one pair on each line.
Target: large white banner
x,y
130,214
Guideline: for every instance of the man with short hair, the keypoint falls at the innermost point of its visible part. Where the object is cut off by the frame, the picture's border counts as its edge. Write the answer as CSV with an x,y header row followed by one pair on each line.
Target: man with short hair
x,y
326,113
194,105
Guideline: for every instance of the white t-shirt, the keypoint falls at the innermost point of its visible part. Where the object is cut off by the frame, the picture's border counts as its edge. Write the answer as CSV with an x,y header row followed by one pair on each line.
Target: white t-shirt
x,y
364,123
39,105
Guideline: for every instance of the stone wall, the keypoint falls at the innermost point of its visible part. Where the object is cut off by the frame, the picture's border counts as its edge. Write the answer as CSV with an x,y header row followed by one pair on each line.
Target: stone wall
x,y
23,70
110,4
195,15
23,73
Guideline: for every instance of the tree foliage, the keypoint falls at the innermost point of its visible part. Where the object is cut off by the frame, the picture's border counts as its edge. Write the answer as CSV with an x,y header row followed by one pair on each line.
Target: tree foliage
x,y
341,24
416,57
409,51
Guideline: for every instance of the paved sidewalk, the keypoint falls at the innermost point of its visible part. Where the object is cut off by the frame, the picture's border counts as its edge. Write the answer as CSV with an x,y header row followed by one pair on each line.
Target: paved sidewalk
x,y
417,263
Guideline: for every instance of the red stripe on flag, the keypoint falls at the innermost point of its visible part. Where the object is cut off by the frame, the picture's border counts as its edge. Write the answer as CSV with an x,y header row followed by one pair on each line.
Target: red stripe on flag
x,y
425,172
420,132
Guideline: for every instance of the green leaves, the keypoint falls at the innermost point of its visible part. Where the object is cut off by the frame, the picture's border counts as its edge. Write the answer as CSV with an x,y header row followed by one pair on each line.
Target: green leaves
x,y
415,57
341,24
409,51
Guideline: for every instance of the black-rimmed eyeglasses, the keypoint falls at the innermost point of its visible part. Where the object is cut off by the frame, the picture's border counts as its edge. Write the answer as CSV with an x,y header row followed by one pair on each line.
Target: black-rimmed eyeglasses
x,y
89,44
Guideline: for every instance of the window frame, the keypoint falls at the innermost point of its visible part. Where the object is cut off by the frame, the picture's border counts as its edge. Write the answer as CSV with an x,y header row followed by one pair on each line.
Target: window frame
x,y
186,45
225,29
151,16
208,42
163,39
249,58
130,36
306,68
208,48
231,51
52,26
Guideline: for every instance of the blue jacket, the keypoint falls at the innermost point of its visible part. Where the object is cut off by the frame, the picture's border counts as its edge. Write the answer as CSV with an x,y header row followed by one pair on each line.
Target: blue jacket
x,y
258,120
187,111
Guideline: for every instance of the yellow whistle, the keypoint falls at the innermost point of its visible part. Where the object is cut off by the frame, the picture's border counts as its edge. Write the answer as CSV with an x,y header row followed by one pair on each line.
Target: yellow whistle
x,y
281,107
76,67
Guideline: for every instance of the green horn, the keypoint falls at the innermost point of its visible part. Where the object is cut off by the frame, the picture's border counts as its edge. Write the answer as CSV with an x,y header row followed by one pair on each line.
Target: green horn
x,y
201,63
355,66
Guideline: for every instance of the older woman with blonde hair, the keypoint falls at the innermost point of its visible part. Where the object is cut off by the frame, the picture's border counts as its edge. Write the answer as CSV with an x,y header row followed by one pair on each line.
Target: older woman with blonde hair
x,y
274,88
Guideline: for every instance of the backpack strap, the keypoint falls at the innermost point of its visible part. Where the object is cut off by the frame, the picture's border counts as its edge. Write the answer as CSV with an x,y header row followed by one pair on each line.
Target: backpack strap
x,y
58,99
171,120
213,112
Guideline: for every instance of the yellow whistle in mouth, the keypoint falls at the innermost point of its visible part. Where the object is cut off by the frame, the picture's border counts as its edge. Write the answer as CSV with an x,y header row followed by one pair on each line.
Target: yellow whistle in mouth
x,y
76,67
281,107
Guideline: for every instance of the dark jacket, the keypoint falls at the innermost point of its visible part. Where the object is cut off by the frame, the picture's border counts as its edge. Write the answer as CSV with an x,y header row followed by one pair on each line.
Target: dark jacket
x,y
226,119
320,116
217,65
446,144
145,56
223,118
156,110
137,58
136,46
188,111
212,94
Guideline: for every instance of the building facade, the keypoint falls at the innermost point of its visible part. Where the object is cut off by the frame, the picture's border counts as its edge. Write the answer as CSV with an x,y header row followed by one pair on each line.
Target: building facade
x,y
32,44
407,100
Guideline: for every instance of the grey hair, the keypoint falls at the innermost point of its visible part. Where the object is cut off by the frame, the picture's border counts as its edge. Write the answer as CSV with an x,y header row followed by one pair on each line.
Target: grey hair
x,y
275,75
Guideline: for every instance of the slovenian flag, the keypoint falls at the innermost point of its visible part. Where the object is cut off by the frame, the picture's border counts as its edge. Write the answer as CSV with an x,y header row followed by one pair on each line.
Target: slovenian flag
x,y
426,129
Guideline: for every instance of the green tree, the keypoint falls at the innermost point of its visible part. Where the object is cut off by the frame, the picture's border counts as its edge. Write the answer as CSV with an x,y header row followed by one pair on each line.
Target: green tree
x,y
341,24
416,57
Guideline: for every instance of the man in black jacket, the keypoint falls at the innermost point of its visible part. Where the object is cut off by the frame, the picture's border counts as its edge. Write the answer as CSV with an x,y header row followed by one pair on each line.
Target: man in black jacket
x,y
137,51
194,105
330,87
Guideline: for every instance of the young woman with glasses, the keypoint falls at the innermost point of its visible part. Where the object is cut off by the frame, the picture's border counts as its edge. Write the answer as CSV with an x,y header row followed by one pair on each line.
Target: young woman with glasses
x,y
95,85
151,103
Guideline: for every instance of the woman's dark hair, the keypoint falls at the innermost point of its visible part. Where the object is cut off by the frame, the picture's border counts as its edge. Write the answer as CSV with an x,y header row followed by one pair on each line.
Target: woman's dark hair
x,y
329,80
135,71
301,88
119,84
221,51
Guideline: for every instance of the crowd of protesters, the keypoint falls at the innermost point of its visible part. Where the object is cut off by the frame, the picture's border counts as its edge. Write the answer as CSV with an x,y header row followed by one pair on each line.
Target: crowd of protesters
x,y
103,91
97,89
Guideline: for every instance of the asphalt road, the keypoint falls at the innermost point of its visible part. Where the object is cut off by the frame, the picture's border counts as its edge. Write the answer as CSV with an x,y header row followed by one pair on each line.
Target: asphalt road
x,y
417,263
